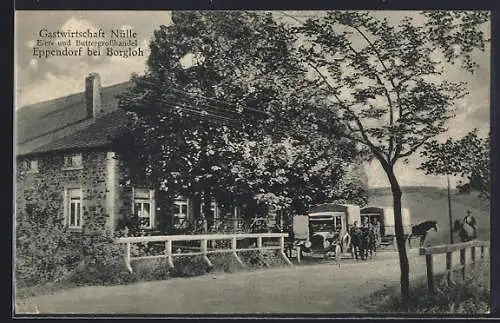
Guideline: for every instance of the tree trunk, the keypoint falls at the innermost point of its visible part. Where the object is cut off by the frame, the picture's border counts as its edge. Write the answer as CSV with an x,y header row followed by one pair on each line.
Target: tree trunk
x,y
207,212
164,211
196,207
450,217
400,237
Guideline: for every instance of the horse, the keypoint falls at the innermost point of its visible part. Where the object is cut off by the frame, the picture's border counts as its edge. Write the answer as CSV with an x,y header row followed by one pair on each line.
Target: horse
x,y
466,228
421,229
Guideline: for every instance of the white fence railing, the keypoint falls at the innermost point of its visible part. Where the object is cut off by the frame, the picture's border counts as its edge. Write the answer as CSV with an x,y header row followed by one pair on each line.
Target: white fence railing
x,y
206,246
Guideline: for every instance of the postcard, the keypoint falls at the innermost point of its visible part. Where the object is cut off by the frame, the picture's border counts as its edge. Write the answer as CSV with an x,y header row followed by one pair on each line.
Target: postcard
x,y
252,163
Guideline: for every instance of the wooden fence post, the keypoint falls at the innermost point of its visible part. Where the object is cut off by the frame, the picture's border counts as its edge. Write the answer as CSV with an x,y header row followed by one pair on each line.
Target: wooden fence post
x,y
448,267
204,247
261,251
234,249
259,243
430,277
168,253
473,255
462,261
127,257
282,250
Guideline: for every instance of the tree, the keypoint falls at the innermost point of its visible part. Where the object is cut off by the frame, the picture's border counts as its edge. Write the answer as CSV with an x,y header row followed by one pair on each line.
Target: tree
x,y
386,83
230,76
468,157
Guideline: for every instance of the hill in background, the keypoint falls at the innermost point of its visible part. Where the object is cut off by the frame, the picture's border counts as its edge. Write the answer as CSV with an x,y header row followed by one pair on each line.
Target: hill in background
x,y
431,203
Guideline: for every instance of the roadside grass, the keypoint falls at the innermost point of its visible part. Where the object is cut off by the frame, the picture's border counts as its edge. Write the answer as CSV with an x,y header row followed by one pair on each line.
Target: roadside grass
x,y
471,295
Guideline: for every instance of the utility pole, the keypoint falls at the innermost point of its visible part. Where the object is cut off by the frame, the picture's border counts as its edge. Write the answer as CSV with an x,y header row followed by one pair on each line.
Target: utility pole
x,y
449,209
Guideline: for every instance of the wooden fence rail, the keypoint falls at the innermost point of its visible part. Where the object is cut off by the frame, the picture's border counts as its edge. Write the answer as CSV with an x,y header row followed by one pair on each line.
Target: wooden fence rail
x,y
428,252
204,249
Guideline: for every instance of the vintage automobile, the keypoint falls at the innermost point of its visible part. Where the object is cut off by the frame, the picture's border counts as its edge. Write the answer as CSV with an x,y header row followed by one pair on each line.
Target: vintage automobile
x,y
322,230
385,216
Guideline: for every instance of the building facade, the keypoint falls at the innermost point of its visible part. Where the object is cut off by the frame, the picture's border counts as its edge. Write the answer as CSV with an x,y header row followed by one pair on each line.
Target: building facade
x,y
66,162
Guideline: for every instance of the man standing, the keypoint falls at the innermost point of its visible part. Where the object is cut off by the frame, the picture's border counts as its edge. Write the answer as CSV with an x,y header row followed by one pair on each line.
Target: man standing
x,y
376,229
471,221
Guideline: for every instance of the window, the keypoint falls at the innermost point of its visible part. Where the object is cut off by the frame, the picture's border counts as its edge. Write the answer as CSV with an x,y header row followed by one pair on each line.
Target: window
x,y
73,161
144,207
74,208
180,211
31,165
337,222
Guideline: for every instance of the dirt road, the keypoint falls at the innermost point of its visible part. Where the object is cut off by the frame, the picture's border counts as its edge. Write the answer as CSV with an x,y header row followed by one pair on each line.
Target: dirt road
x,y
324,288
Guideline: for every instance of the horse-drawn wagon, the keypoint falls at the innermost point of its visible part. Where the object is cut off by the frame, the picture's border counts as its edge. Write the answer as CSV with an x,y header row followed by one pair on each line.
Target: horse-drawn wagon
x,y
384,215
323,229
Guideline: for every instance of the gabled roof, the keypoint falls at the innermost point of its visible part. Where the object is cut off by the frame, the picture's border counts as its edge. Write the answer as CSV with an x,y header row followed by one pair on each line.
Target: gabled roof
x,y
63,123
97,134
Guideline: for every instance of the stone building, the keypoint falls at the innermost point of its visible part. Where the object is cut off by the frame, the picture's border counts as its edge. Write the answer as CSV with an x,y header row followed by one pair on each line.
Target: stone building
x,y
66,159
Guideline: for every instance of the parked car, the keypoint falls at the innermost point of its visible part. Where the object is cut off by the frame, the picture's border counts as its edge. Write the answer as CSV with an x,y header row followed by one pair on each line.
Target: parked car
x,y
322,229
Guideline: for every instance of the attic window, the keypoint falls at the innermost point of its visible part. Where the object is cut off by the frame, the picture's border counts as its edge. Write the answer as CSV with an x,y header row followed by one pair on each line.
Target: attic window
x,y
31,165
73,161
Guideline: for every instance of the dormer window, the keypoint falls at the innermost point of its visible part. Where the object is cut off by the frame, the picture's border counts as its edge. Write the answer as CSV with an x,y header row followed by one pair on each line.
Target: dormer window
x,y
73,161
31,165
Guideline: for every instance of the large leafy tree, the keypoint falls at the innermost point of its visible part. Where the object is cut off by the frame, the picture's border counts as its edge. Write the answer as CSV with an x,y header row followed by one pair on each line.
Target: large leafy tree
x,y
218,101
386,81
467,157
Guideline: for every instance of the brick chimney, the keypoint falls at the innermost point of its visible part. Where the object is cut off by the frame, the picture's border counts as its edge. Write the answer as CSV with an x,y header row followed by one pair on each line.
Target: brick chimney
x,y
93,95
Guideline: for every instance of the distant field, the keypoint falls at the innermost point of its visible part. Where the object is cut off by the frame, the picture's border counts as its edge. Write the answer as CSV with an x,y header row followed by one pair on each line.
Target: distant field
x,y
431,203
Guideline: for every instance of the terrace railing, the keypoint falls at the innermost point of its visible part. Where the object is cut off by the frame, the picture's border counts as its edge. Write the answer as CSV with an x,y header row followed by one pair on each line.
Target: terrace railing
x,y
428,252
204,245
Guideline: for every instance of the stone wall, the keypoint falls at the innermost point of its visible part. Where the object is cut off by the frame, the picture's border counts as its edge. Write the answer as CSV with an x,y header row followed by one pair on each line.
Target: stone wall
x,y
124,190
46,187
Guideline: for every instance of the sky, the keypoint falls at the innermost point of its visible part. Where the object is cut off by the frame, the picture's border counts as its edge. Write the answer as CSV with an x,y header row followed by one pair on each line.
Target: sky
x,y
39,79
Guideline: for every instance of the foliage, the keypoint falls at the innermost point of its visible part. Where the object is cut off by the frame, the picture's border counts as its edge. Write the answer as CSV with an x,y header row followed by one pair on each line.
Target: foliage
x,y
42,248
290,174
217,114
468,157
384,79
47,252
352,75
101,260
